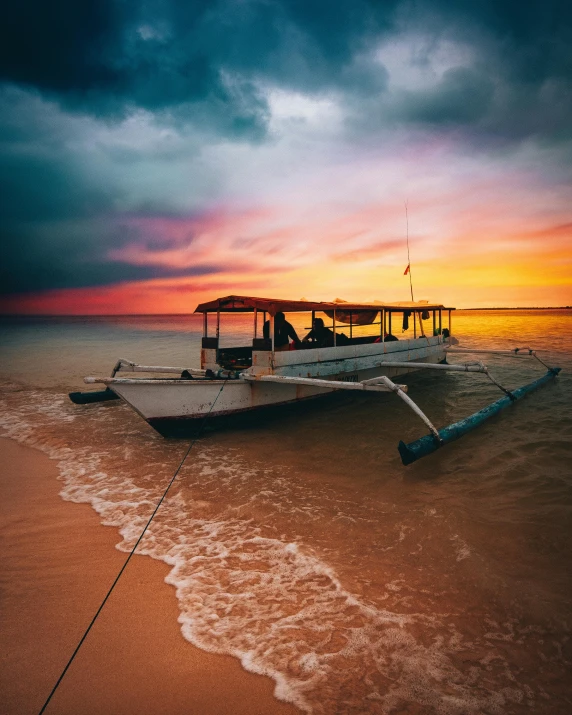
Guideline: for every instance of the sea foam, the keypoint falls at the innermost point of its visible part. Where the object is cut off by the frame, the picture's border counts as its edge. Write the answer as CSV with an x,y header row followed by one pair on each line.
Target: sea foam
x,y
274,603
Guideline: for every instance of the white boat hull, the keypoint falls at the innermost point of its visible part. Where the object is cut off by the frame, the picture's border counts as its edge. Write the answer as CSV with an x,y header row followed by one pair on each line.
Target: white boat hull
x,y
175,406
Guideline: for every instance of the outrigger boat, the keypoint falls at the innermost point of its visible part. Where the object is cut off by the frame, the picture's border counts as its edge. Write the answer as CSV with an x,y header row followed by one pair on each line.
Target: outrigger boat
x,y
237,380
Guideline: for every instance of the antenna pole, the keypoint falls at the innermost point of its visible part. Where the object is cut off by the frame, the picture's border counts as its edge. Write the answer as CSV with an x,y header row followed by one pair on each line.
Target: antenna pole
x,y
408,259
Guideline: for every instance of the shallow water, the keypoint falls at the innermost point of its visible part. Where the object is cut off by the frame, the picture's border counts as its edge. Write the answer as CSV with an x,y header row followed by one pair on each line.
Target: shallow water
x,y
303,547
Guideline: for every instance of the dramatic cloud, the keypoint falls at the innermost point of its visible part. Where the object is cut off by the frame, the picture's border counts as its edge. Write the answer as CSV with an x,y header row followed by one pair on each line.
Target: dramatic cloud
x,y
211,141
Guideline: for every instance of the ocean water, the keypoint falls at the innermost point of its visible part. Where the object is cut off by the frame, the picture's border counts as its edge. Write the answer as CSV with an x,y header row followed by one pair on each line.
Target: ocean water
x,y
302,545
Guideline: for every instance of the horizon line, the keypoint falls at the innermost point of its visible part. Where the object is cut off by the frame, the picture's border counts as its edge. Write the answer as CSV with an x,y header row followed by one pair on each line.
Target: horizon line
x,y
132,315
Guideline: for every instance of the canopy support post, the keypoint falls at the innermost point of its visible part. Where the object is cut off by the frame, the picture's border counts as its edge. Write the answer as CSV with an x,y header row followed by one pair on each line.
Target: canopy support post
x,y
421,324
334,327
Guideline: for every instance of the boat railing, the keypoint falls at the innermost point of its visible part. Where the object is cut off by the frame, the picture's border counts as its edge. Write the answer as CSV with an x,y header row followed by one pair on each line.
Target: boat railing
x,y
123,365
343,352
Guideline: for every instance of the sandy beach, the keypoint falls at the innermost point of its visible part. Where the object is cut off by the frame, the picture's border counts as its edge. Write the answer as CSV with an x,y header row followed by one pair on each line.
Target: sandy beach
x,y
57,563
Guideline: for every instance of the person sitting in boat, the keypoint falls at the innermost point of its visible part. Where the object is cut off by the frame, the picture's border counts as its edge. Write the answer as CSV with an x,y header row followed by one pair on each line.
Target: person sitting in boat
x,y
320,336
283,331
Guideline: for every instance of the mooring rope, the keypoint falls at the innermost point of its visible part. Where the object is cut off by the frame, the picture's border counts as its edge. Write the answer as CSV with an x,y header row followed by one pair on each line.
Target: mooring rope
x,y
161,500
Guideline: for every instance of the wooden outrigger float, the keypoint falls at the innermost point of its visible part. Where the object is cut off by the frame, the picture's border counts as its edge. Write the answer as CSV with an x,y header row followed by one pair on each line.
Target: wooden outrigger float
x,y
426,445
237,380
430,443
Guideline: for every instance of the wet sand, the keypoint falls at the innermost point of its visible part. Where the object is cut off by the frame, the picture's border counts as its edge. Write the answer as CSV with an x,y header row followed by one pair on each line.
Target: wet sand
x,y
56,565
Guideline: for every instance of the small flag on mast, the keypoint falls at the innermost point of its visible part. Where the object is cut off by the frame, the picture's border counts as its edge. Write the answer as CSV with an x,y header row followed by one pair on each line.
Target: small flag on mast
x,y
407,269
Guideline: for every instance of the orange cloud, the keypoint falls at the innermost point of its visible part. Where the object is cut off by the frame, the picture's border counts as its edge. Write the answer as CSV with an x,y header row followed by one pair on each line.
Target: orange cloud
x,y
484,259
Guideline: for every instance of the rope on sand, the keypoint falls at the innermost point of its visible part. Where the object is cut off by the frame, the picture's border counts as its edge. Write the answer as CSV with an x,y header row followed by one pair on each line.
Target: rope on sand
x,y
161,500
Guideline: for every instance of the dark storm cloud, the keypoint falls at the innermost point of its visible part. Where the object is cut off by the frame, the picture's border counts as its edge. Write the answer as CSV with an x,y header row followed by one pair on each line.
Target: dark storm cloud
x,y
533,37
106,56
462,96
48,272
60,46
202,61
53,234
57,221
519,83
59,218
205,64
33,188
62,256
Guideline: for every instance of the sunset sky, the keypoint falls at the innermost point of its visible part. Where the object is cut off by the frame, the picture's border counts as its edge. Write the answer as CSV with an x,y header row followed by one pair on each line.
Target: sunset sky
x,y
159,153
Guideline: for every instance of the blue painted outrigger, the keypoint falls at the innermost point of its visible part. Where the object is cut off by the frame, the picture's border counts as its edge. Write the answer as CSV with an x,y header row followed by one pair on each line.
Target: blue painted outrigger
x,y
439,438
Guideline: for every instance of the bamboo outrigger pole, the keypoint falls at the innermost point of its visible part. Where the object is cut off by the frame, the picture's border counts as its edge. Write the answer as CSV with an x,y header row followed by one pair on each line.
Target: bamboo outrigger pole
x,y
365,386
123,365
382,383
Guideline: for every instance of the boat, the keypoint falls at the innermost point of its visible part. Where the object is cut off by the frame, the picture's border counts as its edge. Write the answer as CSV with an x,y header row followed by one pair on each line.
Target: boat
x,y
234,381
257,375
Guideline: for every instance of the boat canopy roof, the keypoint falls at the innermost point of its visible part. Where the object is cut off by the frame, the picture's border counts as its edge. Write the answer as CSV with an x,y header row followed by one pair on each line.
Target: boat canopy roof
x,y
242,304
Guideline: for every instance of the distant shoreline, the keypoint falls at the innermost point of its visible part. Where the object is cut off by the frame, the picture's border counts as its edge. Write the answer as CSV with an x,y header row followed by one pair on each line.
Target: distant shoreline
x,y
183,315
534,307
